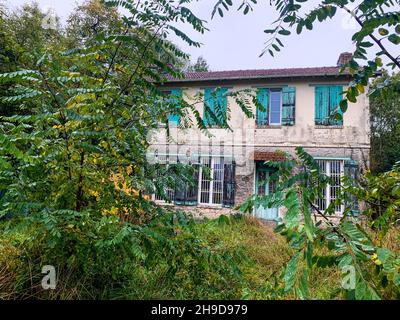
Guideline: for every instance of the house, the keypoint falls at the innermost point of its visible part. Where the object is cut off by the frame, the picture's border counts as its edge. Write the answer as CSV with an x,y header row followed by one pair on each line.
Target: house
x,y
297,104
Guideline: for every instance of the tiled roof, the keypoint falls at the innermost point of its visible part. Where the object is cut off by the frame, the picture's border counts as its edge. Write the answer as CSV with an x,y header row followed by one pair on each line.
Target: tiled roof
x,y
258,74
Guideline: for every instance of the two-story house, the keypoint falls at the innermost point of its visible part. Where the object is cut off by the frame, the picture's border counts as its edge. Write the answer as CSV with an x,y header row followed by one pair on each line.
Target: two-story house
x,y
297,104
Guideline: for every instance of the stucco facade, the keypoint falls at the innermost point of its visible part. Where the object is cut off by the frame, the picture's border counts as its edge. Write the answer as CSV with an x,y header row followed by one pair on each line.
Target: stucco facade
x,y
348,141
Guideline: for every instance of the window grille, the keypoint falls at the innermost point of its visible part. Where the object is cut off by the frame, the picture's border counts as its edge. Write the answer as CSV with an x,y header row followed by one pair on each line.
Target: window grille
x,y
335,170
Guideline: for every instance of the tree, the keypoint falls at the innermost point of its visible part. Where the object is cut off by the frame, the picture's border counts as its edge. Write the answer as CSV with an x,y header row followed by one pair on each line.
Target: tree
x,y
75,166
22,41
201,65
92,109
385,122
89,20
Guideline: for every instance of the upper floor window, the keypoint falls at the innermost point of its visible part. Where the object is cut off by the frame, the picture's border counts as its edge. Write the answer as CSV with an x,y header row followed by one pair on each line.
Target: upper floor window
x,y
327,99
278,106
172,97
215,106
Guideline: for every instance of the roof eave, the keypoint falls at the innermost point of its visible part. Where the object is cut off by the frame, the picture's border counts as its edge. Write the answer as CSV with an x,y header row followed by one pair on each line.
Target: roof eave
x,y
260,77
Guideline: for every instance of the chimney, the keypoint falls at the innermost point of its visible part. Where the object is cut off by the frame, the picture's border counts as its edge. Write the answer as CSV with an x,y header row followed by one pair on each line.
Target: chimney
x,y
344,58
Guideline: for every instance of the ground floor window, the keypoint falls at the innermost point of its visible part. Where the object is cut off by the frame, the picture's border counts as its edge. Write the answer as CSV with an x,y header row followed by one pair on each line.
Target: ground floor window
x,y
214,184
335,170
211,179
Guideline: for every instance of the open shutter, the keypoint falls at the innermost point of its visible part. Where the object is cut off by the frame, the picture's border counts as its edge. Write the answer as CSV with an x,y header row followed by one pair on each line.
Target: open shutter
x,y
322,105
263,99
335,96
174,119
192,189
222,104
288,106
186,193
229,185
209,102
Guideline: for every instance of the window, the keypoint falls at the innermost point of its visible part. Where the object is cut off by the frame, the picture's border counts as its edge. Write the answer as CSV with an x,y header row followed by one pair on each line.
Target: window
x,y
169,192
327,99
215,106
211,180
335,170
278,106
214,184
173,96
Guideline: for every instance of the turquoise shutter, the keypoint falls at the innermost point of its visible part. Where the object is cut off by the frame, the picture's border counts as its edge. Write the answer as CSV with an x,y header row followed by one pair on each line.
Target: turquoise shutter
x,y
321,105
209,102
263,99
222,101
335,96
174,119
288,106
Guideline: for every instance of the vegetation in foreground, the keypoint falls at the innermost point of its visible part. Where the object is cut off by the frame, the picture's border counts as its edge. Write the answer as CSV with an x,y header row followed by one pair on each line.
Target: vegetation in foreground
x,y
234,257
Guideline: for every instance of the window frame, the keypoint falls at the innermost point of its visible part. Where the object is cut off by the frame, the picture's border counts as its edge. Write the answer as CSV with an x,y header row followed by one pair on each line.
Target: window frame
x,y
213,159
327,195
211,182
262,121
280,106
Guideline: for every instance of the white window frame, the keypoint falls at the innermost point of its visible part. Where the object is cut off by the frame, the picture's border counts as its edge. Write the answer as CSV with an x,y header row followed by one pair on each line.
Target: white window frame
x,y
210,190
328,166
270,107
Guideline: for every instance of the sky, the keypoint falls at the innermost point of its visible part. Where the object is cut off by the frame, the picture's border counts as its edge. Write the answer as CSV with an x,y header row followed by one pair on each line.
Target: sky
x,y
235,41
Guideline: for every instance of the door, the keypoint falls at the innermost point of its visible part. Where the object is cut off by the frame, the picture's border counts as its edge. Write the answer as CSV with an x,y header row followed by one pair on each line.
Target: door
x,y
264,187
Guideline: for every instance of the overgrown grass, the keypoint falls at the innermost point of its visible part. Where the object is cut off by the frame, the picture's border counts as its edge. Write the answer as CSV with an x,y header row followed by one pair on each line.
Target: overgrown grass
x,y
226,258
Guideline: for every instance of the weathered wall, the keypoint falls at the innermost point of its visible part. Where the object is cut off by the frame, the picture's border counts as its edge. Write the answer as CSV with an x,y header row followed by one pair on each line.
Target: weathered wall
x,y
355,130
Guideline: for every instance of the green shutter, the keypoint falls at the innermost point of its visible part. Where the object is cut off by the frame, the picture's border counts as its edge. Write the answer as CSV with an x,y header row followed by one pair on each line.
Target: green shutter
x,y
288,106
327,99
209,102
222,104
322,105
217,102
335,93
174,119
263,99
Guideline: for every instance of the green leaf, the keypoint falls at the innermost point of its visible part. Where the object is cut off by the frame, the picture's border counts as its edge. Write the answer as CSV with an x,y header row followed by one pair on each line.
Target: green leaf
x,y
343,105
284,32
299,27
366,44
365,292
271,52
291,271
304,291
276,47
394,38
